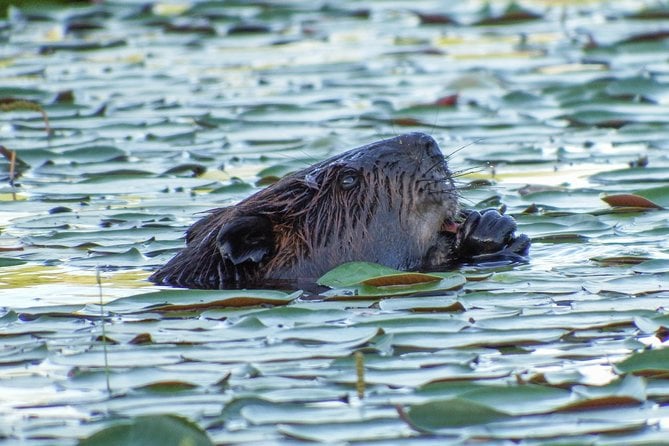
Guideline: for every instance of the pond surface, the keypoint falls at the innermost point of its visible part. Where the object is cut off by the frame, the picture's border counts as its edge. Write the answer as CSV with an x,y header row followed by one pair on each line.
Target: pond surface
x,y
159,111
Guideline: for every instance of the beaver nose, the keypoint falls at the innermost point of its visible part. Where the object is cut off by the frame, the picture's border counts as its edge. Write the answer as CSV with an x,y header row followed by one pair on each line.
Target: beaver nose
x,y
421,144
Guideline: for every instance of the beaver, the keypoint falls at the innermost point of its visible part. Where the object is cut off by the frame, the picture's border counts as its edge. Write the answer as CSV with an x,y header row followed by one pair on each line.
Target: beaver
x,y
392,202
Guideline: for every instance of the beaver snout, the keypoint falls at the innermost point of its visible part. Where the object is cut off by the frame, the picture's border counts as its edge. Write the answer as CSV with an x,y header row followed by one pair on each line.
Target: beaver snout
x,y
416,148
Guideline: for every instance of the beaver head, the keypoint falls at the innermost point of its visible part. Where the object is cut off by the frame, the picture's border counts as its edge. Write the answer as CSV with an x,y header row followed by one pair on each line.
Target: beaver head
x,y
384,202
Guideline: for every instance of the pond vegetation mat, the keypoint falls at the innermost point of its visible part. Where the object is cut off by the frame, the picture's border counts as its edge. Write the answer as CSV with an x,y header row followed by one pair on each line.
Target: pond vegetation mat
x,y
122,121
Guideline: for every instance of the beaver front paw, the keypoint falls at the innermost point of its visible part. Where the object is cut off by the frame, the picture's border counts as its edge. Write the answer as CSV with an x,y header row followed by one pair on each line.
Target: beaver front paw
x,y
489,236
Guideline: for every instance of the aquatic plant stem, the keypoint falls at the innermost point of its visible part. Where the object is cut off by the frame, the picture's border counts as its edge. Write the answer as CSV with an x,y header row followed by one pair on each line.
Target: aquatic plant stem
x,y
15,104
360,373
104,333
12,171
11,157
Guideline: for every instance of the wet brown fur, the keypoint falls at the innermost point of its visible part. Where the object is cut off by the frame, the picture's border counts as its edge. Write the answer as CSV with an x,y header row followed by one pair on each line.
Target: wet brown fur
x,y
405,193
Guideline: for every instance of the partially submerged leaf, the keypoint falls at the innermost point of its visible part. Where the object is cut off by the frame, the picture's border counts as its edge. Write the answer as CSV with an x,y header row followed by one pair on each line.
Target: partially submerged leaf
x,y
400,279
364,279
653,363
629,200
637,175
438,415
198,300
8,261
652,266
353,273
658,195
628,391
452,282
514,13
168,386
151,430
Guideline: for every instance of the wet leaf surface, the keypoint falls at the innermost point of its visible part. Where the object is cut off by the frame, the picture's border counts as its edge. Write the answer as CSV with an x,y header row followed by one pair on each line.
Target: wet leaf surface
x,y
158,112
164,430
630,200
646,363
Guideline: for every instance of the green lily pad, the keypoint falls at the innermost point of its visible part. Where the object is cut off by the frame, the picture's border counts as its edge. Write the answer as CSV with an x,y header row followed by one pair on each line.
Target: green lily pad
x,y
659,195
438,415
638,175
9,261
94,154
160,430
345,432
452,282
646,363
198,300
652,266
642,86
353,273
631,390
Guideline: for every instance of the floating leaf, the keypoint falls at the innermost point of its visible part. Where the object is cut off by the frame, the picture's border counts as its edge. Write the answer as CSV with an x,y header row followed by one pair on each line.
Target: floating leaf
x,y
434,416
638,86
653,363
452,282
94,154
619,260
637,175
630,391
514,13
353,273
629,200
369,430
198,300
158,430
652,266
8,261
400,279
423,304
658,195
168,386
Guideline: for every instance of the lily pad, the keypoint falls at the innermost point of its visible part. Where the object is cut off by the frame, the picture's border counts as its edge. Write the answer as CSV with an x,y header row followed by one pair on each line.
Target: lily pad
x,y
164,430
452,282
630,200
198,300
435,416
647,363
353,273
9,261
638,175
652,266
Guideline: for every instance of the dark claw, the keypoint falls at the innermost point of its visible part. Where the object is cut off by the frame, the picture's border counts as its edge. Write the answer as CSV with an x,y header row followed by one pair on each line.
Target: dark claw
x,y
488,236
521,245
486,232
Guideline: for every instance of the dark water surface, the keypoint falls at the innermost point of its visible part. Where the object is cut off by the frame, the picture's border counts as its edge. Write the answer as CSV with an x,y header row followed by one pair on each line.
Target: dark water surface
x,y
159,111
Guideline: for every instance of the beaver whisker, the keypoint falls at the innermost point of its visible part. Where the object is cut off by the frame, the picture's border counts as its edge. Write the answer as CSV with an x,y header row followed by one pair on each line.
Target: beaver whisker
x,y
469,144
440,162
431,180
469,186
448,193
467,171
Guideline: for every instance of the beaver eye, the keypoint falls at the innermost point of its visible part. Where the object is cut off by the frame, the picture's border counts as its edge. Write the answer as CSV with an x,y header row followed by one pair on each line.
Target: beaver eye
x,y
349,179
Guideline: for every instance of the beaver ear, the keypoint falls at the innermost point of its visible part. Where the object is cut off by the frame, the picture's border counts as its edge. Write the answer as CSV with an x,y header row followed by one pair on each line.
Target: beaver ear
x,y
246,239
